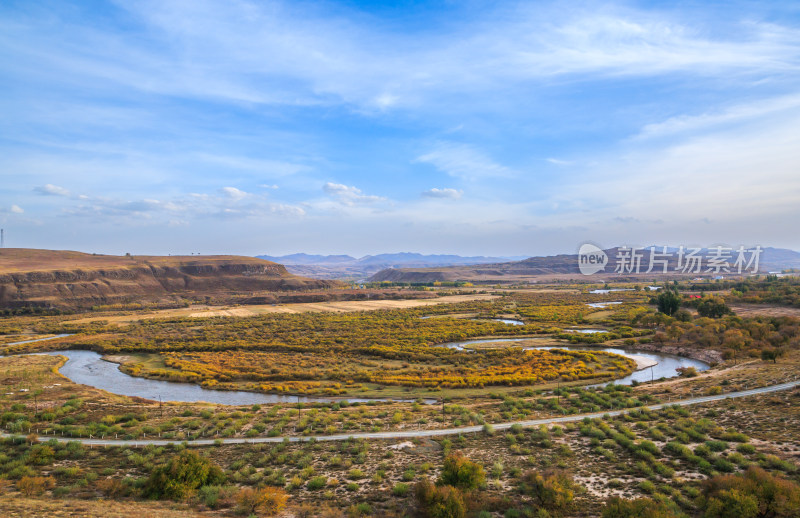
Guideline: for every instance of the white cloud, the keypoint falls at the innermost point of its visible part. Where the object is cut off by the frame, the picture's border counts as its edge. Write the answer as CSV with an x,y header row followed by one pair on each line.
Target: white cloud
x,y
234,193
727,117
740,179
279,53
443,193
51,190
349,195
16,209
558,161
464,161
286,210
230,203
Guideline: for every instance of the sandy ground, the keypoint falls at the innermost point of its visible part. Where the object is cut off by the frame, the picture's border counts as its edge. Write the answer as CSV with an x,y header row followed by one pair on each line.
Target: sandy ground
x,y
642,362
249,311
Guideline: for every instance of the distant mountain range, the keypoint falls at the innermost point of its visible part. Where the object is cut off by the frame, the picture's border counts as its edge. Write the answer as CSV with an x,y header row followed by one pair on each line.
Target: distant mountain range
x,y
564,265
347,267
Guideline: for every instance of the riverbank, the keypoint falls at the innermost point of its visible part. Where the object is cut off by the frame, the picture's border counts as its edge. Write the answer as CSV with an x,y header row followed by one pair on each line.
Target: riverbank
x,y
709,356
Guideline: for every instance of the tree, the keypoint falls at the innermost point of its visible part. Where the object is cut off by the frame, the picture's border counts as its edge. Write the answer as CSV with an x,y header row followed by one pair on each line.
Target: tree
x,y
771,354
732,503
181,475
668,302
713,307
734,339
460,472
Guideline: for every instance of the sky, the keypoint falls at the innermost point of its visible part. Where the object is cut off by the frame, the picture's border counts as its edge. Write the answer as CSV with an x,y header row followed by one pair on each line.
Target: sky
x,y
475,128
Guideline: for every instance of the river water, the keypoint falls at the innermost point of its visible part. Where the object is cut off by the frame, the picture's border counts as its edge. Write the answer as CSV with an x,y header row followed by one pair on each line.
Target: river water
x,y
666,365
89,368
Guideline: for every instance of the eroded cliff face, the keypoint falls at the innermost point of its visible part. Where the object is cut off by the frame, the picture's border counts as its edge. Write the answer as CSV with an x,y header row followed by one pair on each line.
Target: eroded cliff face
x,y
96,280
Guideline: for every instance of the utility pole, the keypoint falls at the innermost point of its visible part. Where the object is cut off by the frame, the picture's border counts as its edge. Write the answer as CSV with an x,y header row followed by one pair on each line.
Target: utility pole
x,y
558,391
160,406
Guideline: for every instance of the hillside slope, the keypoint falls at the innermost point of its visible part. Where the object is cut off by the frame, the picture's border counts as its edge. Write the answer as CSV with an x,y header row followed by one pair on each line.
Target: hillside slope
x,y
30,277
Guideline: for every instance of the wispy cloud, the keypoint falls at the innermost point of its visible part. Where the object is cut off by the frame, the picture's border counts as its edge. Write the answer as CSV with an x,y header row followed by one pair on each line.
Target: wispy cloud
x,y
463,161
349,195
725,117
13,209
280,53
230,203
51,190
558,161
234,193
443,193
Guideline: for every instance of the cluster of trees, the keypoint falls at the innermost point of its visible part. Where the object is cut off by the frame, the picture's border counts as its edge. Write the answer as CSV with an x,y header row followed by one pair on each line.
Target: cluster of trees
x,y
670,301
784,291
735,336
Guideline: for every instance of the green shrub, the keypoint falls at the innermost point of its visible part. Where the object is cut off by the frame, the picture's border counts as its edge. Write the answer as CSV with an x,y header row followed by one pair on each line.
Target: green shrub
x,y
316,483
462,473
647,486
717,445
400,489
551,490
181,475
747,449
616,507
439,501
753,494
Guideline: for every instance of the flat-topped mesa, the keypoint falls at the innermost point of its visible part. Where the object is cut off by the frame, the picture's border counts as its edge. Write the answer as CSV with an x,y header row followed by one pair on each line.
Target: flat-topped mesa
x,y
73,279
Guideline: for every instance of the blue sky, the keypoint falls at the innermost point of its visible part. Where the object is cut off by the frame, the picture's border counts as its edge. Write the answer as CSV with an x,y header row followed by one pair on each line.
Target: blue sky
x,y
493,128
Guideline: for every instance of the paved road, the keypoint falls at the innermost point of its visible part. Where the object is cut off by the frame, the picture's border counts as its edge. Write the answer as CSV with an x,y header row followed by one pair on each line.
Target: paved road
x,y
409,434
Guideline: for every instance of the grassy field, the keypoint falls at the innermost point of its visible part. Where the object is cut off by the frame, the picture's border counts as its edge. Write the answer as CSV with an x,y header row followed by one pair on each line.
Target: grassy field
x,y
262,309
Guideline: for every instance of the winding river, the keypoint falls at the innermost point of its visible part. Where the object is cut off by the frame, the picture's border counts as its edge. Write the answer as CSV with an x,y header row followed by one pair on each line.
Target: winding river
x,y
89,368
661,365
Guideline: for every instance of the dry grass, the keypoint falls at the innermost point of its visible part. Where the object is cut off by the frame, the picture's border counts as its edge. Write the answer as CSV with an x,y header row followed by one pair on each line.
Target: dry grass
x,y
755,310
254,310
20,507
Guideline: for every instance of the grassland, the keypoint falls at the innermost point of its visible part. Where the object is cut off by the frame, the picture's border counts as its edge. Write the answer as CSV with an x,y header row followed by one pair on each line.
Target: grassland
x,y
250,310
668,459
